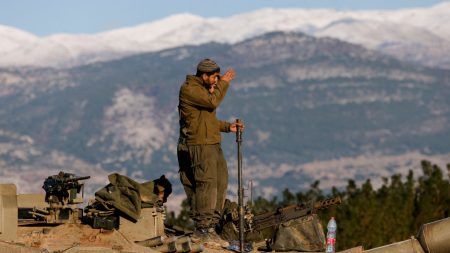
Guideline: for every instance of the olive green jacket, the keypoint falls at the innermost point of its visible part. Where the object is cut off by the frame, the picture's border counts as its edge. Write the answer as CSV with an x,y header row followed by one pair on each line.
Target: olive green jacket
x,y
197,109
126,195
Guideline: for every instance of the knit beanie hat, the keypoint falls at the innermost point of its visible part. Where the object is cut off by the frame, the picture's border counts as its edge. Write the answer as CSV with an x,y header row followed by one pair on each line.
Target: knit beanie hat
x,y
208,66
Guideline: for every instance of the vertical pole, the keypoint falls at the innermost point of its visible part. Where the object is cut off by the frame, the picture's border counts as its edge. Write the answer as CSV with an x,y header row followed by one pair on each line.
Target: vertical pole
x,y
251,193
241,188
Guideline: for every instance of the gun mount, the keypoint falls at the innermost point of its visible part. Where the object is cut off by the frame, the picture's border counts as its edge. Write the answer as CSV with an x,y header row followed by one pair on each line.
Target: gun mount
x,y
61,195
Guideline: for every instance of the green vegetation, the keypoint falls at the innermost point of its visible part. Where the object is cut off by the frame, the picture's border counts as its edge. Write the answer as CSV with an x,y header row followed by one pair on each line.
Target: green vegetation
x,y
372,217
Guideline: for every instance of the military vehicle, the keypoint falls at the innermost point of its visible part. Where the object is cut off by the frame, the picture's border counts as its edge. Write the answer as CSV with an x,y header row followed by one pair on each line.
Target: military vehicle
x,y
54,222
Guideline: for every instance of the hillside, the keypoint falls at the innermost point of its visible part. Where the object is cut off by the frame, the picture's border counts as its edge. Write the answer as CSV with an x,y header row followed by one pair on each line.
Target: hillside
x,y
315,108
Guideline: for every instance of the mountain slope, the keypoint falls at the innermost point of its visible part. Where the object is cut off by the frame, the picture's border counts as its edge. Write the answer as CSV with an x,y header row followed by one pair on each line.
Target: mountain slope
x,y
315,108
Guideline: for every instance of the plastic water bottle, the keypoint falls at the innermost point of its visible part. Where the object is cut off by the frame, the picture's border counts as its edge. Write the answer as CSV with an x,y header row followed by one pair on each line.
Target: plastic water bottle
x,y
331,235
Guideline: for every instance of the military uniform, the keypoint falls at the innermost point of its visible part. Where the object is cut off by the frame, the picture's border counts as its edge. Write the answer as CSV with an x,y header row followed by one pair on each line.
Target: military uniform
x,y
203,169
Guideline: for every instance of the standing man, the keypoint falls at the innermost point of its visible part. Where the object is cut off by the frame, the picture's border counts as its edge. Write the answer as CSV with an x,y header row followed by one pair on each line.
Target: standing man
x,y
203,169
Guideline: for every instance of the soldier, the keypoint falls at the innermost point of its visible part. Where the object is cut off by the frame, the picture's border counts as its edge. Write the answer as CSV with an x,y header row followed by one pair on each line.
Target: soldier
x,y
203,169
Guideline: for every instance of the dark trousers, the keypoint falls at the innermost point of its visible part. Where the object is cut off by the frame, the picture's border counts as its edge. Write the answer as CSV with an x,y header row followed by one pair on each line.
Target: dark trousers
x,y
204,175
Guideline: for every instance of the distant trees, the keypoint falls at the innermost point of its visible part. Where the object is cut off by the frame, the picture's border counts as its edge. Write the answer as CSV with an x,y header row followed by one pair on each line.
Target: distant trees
x,y
182,220
391,213
373,217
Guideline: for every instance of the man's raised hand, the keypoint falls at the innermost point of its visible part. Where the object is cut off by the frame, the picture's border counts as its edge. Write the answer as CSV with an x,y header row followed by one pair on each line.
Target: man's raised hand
x,y
228,76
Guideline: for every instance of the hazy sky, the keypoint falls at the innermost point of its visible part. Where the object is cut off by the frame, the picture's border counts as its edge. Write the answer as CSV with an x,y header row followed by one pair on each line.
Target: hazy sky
x,y
44,17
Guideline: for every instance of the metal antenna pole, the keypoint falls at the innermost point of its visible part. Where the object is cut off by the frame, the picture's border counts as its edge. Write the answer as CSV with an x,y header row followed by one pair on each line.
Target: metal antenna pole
x,y
240,188
251,193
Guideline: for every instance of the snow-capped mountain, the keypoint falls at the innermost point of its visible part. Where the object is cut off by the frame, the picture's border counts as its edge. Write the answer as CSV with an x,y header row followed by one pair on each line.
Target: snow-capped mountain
x,y
12,39
419,34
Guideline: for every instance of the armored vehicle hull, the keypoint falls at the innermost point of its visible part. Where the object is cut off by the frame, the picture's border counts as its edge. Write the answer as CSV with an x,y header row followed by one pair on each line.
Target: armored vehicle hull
x,y
75,237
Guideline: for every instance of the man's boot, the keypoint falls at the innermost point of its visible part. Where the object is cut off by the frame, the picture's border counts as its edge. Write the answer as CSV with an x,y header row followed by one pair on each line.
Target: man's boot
x,y
216,238
200,235
209,238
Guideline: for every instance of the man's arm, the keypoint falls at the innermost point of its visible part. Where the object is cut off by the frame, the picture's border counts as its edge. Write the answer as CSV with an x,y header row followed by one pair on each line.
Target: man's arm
x,y
230,127
199,96
224,126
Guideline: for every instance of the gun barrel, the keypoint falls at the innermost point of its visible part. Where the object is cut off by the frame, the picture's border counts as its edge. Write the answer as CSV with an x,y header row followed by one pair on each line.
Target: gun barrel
x,y
327,202
76,179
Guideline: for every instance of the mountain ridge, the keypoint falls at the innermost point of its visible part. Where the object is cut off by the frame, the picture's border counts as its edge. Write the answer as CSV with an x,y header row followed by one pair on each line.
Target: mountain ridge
x,y
65,50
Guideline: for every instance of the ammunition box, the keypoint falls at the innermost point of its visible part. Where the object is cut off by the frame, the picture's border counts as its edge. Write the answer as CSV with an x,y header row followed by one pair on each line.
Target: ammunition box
x,y
107,222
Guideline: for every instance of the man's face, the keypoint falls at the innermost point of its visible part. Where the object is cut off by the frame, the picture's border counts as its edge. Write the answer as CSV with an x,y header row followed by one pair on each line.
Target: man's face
x,y
211,80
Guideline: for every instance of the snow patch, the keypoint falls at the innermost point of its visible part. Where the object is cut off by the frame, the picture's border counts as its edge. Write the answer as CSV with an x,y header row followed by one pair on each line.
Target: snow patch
x,y
133,121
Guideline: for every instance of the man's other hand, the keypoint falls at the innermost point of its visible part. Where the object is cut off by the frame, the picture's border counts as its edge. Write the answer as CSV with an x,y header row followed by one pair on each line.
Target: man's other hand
x,y
234,126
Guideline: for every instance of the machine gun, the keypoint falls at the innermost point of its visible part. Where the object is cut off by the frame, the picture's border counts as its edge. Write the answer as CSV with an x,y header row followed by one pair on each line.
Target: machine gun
x,y
62,189
257,223
284,214
61,195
